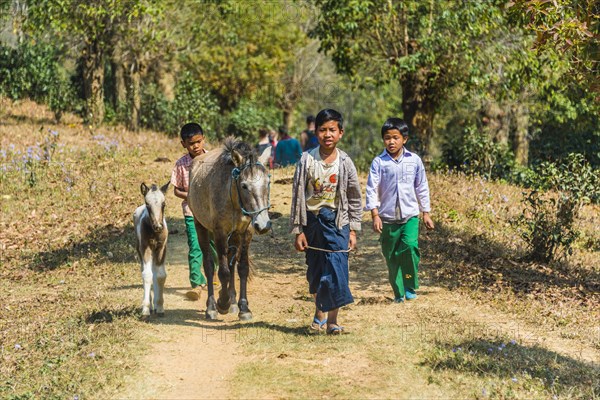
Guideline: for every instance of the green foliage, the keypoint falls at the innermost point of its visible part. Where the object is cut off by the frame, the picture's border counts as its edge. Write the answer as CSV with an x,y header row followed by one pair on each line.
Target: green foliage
x,y
569,28
568,123
476,153
191,103
33,70
247,119
550,209
239,47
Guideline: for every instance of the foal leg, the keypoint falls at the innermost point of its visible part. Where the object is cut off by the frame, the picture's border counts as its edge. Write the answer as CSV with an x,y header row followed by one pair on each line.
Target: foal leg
x,y
209,270
244,270
147,282
160,276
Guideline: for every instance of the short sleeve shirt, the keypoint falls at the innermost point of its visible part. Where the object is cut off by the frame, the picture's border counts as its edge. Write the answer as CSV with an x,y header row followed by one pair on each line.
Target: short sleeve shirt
x,y
180,178
321,190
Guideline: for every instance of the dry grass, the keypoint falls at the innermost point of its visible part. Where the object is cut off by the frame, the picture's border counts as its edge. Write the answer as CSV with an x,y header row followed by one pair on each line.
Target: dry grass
x,y
69,323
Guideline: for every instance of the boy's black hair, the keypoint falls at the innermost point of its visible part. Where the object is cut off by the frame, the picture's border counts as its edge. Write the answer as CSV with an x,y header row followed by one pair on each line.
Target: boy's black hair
x,y
282,130
395,123
190,130
327,115
310,119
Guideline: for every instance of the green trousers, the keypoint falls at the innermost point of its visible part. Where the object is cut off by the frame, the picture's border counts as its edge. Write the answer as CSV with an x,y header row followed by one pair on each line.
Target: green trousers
x,y
400,247
195,254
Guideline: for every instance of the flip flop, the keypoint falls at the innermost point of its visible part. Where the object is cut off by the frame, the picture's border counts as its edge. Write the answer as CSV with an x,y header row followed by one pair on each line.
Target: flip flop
x,y
318,325
335,330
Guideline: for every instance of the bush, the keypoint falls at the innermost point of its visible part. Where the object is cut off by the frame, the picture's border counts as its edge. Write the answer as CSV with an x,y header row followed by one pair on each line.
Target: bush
x,y
548,220
33,71
245,121
191,103
475,153
482,156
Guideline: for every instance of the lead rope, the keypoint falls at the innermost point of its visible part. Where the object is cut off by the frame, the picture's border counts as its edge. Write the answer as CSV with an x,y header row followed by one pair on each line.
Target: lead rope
x,y
328,251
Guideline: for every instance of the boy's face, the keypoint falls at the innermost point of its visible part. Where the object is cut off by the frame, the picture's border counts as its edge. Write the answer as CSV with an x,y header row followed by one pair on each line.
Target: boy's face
x,y
329,134
194,145
394,141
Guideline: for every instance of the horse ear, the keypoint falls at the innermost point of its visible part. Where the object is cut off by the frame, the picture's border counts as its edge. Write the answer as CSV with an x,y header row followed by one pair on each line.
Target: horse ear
x,y
164,188
264,157
237,158
144,189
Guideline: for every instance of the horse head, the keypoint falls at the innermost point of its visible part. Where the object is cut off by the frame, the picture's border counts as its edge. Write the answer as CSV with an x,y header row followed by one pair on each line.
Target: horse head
x,y
252,182
155,204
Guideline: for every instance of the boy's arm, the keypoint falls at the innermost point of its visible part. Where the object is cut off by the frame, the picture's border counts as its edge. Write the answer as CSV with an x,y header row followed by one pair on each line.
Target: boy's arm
x,y
180,193
422,189
372,185
353,192
296,226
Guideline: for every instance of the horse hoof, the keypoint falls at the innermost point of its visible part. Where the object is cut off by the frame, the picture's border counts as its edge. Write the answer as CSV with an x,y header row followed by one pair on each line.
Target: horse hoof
x,y
222,310
211,315
145,318
245,316
234,309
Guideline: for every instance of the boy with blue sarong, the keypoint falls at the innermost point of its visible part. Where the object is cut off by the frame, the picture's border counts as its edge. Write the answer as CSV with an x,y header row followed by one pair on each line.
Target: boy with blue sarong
x,y
326,213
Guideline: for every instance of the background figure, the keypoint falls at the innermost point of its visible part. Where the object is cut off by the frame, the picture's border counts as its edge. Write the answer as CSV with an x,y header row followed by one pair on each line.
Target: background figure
x,y
308,139
266,139
288,150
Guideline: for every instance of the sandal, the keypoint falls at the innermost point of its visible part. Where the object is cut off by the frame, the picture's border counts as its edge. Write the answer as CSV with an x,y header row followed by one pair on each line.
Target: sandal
x,y
318,325
335,330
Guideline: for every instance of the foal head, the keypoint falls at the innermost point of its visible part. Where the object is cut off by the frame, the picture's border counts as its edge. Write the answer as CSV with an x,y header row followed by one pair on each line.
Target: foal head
x,y
155,204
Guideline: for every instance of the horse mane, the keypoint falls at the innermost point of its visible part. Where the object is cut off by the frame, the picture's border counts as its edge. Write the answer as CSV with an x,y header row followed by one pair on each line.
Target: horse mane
x,y
232,143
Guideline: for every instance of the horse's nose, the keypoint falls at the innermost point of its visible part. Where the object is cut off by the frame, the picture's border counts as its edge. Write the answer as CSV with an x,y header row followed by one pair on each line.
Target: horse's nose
x,y
157,228
263,229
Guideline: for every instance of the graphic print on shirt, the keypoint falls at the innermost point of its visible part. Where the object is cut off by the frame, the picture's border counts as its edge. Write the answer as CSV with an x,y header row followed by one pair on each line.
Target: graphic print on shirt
x,y
322,183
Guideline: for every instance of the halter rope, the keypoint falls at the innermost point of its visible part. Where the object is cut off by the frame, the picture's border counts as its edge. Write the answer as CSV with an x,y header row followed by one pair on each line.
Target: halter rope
x,y
235,175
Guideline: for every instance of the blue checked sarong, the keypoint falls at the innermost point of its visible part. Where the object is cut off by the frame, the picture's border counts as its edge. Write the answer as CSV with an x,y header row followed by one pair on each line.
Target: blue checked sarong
x,y
327,273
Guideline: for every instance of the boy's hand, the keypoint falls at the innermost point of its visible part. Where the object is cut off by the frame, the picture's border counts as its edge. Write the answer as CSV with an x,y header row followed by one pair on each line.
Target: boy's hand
x,y
428,221
377,224
352,240
301,243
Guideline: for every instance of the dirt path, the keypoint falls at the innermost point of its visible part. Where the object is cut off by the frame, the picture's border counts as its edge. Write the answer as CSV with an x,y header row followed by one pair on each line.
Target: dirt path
x,y
191,358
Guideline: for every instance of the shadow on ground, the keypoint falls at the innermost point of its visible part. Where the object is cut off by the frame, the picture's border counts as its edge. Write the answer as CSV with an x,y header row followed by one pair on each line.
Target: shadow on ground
x,y
107,242
458,259
526,365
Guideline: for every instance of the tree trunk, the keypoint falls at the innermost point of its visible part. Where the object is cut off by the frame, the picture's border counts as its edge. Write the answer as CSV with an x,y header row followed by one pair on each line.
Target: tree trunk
x,y
520,140
419,111
119,97
134,99
288,118
93,84
166,80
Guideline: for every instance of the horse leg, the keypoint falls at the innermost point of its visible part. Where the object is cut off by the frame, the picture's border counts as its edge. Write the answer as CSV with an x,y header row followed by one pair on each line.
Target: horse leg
x,y
209,270
233,251
224,300
147,282
160,276
244,270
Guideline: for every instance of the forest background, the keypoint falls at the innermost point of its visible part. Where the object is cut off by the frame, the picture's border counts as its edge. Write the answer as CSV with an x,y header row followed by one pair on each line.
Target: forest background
x,y
492,87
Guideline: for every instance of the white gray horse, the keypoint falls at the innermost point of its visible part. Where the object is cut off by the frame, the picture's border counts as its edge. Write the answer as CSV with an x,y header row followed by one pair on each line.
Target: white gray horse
x,y
229,197
151,233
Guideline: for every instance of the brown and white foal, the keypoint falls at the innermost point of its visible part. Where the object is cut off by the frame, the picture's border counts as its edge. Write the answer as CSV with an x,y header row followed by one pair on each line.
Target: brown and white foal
x,y
151,232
